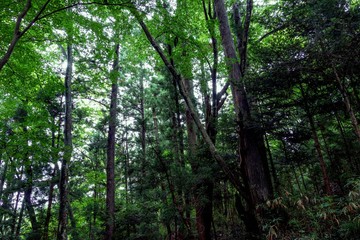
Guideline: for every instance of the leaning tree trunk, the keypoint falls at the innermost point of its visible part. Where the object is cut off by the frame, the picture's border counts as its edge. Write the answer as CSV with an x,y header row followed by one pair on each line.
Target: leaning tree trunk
x,y
348,105
233,178
110,167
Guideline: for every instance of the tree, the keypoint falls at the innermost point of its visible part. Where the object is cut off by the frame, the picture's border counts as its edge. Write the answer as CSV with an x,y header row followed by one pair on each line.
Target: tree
x,y
110,167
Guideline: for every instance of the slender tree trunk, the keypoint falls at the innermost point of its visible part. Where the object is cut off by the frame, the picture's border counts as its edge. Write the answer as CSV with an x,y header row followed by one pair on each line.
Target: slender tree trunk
x,y
52,183
350,160
348,105
13,226
273,169
64,174
286,156
2,179
110,167
142,131
316,143
204,189
157,147
74,232
28,203
126,170
18,227
35,234
49,207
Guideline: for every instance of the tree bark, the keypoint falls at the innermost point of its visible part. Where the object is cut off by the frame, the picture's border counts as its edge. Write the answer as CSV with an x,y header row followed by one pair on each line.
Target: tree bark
x,y
317,145
110,167
68,148
251,146
18,227
348,105
203,192
232,177
54,175
35,234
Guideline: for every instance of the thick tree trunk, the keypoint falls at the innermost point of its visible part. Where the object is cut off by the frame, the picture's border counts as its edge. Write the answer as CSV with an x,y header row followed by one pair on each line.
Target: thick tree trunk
x,y
64,174
110,167
251,146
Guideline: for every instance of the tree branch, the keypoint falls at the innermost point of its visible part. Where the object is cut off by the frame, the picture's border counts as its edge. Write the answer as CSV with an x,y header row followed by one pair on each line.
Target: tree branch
x,y
232,177
105,3
279,28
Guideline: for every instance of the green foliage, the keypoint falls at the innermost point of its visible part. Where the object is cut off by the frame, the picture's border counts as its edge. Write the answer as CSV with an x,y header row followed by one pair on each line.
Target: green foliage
x,y
296,49
312,217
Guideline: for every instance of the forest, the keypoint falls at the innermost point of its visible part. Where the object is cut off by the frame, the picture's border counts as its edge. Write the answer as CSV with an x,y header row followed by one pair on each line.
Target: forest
x,y
179,119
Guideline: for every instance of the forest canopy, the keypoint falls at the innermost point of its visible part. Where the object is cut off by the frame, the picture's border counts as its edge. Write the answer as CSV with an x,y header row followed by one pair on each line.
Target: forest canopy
x,y
179,119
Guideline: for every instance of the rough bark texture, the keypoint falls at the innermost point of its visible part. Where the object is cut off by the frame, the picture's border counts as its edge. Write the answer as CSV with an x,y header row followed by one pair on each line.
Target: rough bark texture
x,y
251,146
110,167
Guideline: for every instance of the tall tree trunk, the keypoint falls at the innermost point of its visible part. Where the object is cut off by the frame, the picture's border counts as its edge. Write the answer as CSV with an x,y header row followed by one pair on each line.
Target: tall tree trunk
x,y
251,146
35,234
142,132
348,105
13,226
272,164
110,167
49,207
157,147
233,178
74,232
317,145
203,192
3,178
351,162
54,175
18,226
68,148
